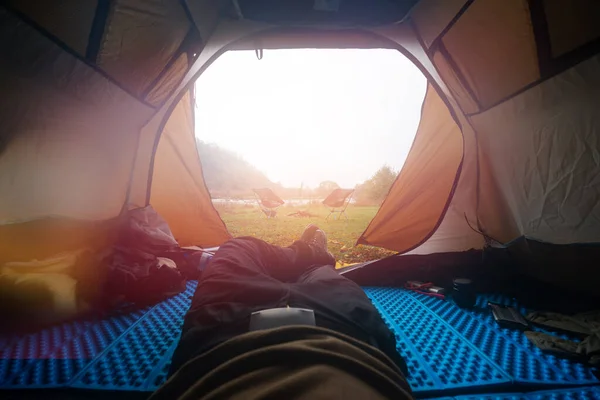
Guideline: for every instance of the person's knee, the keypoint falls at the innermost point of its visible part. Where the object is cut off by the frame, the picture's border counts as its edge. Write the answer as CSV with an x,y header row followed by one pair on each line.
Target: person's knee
x,y
242,246
322,273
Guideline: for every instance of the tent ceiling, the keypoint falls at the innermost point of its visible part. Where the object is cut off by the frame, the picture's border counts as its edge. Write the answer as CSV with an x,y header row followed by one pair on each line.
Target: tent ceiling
x,y
340,13
304,38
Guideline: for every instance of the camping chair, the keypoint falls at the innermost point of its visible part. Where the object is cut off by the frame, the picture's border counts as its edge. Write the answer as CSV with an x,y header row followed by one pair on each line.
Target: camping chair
x,y
268,201
337,201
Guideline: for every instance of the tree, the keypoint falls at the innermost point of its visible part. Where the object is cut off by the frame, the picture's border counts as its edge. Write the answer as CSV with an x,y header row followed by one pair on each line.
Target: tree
x,y
375,189
326,187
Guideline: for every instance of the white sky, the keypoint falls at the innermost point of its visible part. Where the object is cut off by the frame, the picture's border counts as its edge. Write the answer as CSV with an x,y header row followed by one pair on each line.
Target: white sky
x,y
305,116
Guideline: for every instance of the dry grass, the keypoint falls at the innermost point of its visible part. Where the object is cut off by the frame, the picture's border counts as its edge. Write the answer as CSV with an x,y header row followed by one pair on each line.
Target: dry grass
x,y
248,220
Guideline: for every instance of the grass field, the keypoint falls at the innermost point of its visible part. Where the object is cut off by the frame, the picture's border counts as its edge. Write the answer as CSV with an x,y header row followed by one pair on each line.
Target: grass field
x,y
248,220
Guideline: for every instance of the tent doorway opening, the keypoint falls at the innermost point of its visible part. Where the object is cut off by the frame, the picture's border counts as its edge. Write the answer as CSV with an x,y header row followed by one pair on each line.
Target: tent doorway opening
x,y
301,123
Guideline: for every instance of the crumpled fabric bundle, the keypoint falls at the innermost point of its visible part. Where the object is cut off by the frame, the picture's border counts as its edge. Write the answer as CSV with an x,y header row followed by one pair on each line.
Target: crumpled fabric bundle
x,y
130,268
584,325
137,271
57,288
141,278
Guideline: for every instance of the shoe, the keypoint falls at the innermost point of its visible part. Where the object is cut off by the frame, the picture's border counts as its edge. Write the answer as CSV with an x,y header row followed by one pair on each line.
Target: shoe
x,y
316,238
319,240
308,233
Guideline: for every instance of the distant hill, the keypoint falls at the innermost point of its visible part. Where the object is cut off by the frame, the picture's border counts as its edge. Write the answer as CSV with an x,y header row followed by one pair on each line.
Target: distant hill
x,y
227,174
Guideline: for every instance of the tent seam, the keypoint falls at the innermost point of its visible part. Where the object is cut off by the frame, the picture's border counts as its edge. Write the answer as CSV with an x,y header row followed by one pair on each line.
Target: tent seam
x,y
97,30
54,39
174,57
435,43
539,25
459,74
593,48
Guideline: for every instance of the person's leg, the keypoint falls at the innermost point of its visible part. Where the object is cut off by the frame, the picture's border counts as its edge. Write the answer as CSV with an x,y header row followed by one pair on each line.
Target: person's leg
x,y
341,305
248,275
248,255
245,275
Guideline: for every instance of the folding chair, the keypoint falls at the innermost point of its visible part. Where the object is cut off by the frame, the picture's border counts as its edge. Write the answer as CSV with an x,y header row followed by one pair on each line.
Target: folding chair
x,y
337,201
268,201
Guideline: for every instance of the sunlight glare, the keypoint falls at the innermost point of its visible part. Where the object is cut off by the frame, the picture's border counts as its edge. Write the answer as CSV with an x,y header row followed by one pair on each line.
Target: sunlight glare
x,y
305,116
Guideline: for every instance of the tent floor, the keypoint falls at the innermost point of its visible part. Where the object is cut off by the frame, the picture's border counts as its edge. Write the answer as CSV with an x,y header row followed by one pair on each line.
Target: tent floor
x,y
450,352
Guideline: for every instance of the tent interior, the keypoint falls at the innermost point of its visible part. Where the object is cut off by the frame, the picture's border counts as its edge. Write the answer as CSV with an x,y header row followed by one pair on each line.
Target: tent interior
x,y
502,183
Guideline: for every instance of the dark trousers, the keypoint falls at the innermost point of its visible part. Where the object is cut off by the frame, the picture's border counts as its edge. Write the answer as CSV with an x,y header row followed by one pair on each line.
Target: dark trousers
x,y
247,275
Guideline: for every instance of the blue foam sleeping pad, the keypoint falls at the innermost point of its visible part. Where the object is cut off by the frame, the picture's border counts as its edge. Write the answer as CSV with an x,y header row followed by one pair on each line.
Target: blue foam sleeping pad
x,y
448,348
449,351
577,393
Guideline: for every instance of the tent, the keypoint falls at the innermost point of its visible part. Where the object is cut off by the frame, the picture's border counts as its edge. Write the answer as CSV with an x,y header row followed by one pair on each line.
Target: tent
x,y
96,112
